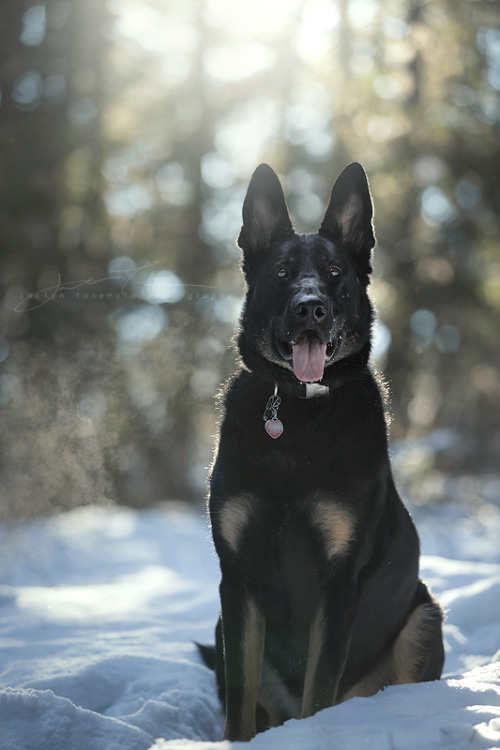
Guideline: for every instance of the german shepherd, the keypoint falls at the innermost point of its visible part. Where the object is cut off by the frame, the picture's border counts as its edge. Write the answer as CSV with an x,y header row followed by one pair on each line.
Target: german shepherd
x,y
320,595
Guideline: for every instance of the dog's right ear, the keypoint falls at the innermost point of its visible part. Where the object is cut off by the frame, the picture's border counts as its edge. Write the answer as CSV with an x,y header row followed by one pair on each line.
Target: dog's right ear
x,y
265,215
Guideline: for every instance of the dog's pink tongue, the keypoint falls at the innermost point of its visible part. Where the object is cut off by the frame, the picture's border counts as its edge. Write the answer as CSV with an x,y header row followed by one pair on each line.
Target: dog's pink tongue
x,y
309,355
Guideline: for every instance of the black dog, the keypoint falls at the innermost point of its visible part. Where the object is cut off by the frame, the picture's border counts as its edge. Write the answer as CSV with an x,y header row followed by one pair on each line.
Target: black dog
x,y
320,595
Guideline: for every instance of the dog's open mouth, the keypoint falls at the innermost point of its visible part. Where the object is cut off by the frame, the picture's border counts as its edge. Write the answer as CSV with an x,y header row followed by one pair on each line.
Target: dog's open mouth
x,y
308,355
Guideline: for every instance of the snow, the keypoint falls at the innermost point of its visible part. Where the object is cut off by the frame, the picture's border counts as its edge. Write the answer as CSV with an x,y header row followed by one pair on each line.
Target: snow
x,y
100,608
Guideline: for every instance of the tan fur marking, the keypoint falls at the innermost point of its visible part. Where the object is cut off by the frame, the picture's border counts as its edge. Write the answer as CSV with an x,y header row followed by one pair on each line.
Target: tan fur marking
x,y
411,645
375,680
316,640
402,663
234,517
335,523
253,645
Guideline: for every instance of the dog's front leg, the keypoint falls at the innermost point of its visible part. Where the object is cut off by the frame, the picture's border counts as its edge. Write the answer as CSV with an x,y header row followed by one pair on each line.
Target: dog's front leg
x,y
329,639
243,630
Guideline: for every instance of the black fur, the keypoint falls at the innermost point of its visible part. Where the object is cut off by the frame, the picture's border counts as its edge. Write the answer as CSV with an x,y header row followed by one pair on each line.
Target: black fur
x,y
320,595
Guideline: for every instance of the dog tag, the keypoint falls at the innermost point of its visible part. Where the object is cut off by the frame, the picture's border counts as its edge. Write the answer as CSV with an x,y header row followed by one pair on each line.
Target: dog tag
x,y
274,427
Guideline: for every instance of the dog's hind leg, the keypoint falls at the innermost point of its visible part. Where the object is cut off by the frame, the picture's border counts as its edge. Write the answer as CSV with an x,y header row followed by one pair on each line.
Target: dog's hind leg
x,y
418,653
243,630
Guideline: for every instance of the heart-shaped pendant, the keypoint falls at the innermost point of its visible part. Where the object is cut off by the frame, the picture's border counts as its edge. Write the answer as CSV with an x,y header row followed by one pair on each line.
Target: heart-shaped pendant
x,y
274,428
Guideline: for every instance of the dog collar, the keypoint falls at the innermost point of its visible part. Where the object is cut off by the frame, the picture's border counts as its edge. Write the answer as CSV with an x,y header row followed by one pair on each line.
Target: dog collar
x,y
312,390
274,426
304,390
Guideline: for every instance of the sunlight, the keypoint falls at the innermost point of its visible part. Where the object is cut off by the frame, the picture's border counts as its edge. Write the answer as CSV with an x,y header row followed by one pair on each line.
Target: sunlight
x,y
34,26
320,17
139,324
157,31
242,48
127,596
362,12
232,62
160,287
259,18
244,132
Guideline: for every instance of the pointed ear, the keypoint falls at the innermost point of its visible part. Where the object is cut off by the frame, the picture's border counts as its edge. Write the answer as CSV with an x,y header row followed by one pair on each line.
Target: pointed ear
x,y
349,215
265,215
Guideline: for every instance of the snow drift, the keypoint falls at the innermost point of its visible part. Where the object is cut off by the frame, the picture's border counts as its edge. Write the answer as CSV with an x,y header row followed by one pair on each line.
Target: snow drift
x,y
99,609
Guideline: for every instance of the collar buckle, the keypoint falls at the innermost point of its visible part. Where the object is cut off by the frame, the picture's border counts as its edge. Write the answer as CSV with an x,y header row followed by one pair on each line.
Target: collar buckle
x,y
316,389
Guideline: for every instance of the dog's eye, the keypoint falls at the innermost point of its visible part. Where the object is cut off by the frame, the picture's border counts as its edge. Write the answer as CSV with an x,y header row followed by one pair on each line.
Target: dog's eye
x,y
281,272
334,271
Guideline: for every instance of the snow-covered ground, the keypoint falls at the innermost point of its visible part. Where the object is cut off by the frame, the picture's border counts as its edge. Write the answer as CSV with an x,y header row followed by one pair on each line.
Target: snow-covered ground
x,y
99,609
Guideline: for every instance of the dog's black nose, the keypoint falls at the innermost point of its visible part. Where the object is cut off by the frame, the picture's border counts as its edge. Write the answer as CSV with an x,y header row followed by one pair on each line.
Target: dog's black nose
x,y
310,310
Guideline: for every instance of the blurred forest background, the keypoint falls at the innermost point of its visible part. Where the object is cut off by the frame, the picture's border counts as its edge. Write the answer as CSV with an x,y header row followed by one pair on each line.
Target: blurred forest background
x,y
128,132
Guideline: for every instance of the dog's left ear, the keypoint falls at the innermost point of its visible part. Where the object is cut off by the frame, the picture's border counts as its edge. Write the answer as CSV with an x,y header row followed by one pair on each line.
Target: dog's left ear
x,y
265,215
349,215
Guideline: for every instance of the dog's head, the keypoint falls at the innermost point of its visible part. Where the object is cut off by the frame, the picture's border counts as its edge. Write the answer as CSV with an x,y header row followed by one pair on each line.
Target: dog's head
x,y
306,308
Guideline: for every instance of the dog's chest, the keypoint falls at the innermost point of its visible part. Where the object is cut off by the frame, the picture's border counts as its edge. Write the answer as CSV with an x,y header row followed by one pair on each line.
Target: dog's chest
x,y
324,444
296,570
287,541
298,553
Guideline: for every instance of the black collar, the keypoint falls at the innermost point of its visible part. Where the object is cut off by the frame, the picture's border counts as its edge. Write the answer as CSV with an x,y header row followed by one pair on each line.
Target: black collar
x,y
300,390
304,390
